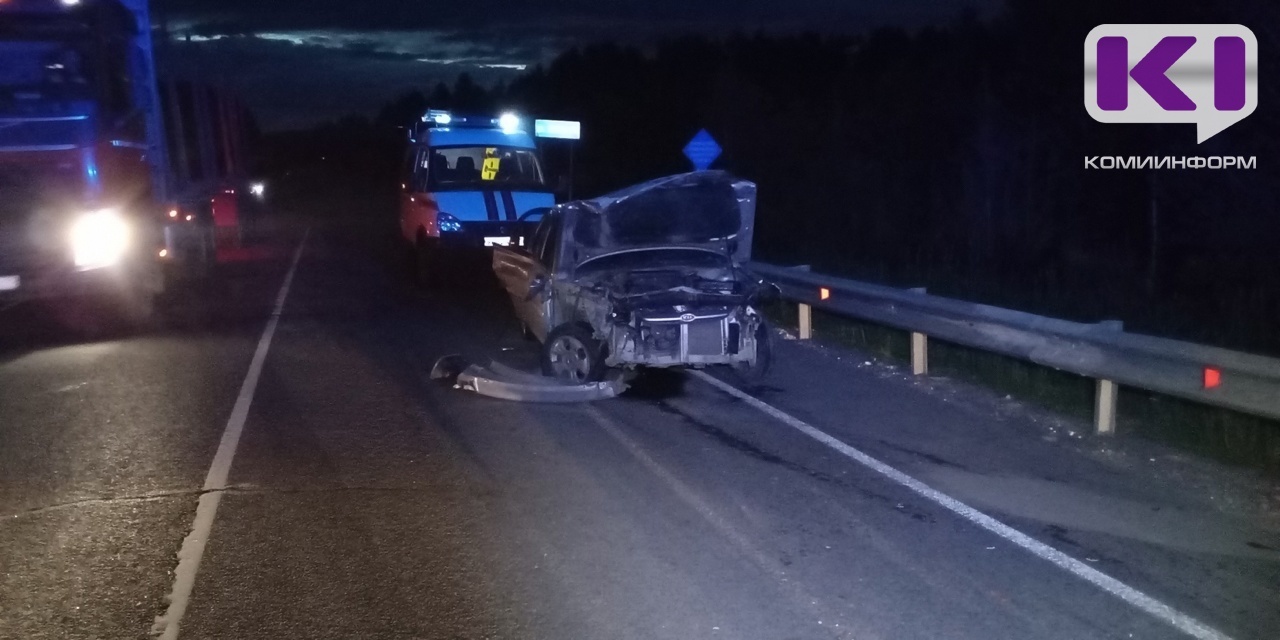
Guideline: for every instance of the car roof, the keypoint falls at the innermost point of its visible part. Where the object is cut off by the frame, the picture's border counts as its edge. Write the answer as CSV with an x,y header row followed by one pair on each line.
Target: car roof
x,y
461,136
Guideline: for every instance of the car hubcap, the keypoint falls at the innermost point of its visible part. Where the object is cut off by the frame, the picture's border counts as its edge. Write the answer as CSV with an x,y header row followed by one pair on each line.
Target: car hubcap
x,y
570,359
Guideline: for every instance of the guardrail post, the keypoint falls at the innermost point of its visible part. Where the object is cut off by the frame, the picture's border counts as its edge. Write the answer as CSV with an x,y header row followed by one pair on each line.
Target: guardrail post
x,y
919,345
919,353
806,321
1104,408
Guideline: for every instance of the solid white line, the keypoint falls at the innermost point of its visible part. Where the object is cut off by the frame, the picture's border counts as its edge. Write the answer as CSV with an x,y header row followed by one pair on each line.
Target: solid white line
x,y
1164,612
192,551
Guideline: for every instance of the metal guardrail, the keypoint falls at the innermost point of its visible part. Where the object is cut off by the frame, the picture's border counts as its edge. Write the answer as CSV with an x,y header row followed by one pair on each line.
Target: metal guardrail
x,y
1220,377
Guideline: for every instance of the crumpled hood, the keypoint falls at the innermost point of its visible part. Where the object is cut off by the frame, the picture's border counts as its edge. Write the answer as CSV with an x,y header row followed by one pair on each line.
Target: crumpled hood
x,y
704,209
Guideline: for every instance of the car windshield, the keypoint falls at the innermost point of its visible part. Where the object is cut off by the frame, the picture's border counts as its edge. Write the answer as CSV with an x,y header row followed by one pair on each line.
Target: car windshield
x,y
480,167
655,259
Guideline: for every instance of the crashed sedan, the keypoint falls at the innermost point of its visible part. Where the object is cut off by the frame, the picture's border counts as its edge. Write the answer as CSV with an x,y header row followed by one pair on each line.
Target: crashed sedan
x,y
650,276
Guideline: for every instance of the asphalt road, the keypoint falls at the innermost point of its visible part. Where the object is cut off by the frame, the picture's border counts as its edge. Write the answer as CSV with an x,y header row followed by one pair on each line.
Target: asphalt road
x,y
366,501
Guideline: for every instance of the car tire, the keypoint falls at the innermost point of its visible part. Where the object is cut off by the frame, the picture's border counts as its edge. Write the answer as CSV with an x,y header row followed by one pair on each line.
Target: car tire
x,y
572,354
754,374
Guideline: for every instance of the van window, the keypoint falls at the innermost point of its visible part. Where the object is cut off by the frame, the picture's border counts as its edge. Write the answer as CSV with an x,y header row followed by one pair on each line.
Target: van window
x,y
474,168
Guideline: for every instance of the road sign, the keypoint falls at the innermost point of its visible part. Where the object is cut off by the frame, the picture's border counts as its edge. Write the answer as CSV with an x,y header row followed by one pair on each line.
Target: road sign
x,y
702,150
562,129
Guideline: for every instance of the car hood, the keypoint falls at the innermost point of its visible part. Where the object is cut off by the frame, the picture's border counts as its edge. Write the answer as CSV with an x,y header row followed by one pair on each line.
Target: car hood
x,y
472,206
705,209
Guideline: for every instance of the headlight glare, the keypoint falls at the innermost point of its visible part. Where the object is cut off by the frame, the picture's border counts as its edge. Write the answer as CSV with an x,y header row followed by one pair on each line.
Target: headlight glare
x,y
99,239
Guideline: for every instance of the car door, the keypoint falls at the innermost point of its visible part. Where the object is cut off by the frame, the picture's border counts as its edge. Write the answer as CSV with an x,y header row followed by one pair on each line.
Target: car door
x,y
526,275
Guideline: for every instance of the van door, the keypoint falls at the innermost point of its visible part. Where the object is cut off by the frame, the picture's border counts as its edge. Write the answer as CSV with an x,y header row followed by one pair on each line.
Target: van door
x,y
417,207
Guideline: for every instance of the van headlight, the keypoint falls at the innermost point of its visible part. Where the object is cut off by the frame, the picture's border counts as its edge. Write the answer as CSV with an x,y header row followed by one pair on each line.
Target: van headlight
x,y
99,239
448,223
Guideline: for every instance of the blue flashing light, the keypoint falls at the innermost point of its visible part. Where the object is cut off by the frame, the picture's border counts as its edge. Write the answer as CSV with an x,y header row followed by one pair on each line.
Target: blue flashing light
x,y
91,170
442,118
448,223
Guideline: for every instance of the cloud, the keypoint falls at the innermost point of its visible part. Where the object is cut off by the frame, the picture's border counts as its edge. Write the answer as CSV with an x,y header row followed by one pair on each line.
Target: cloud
x,y
300,61
292,81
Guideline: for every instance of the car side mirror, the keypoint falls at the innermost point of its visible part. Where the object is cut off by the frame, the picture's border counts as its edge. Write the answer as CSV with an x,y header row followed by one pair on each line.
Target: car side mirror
x,y
536,287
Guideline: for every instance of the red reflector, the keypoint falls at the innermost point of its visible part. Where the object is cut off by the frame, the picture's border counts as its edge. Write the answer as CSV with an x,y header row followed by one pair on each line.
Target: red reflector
x,y
1212,378
824,293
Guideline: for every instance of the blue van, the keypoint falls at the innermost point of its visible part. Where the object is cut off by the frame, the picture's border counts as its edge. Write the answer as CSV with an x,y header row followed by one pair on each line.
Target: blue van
x,y
470,182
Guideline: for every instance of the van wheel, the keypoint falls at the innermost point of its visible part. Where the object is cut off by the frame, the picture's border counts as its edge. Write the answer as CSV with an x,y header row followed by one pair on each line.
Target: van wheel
x,y
424,264
573,355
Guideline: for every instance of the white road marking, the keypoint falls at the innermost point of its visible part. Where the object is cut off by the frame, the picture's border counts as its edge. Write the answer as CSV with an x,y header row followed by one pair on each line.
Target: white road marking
x,y
1142,601
215,482
685,493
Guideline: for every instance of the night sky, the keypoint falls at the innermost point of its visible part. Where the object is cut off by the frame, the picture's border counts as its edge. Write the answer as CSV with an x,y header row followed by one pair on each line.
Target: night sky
x,y
298,62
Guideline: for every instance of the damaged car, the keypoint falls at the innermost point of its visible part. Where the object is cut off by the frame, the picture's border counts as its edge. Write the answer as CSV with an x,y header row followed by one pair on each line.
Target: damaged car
x,y
650,276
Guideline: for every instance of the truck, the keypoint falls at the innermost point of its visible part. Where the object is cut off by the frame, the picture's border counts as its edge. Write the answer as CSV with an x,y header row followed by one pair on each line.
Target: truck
x,y
111,182
468,183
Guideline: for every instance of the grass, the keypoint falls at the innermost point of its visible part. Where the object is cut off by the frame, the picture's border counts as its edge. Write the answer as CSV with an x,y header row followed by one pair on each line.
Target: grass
x,y
1218,434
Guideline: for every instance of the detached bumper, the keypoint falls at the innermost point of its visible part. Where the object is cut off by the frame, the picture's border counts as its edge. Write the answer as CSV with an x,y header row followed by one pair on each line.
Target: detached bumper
x,y
504,383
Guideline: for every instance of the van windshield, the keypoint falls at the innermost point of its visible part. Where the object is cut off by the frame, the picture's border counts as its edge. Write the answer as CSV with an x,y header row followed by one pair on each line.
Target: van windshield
x,y
484,168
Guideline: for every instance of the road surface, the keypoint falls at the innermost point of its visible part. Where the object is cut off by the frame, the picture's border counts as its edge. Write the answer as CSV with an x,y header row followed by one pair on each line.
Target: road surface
x,y
362,500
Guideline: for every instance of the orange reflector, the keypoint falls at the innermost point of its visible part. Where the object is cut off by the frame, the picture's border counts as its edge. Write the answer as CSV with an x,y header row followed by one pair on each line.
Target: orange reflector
x,y
1212,378
824,293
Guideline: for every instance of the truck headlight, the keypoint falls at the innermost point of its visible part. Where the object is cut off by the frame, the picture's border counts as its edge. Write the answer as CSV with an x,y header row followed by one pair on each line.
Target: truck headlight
x,y
99,239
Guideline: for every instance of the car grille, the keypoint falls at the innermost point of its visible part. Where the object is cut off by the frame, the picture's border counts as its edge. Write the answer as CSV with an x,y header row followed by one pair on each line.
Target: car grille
x,y
705,337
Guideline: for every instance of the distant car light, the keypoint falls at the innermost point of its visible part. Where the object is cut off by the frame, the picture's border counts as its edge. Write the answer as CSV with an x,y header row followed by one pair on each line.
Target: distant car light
x,y
99,239
509,122
173,213
258,189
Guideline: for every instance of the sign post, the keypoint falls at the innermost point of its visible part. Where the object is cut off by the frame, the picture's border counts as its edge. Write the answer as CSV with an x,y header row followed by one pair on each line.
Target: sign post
x,y
570,130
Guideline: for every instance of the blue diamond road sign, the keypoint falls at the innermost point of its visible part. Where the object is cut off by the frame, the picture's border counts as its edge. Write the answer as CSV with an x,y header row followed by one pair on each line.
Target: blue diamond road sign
x,y
702,150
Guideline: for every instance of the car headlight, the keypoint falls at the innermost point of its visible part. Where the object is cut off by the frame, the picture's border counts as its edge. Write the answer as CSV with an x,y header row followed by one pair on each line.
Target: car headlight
x,y
99,239
448,223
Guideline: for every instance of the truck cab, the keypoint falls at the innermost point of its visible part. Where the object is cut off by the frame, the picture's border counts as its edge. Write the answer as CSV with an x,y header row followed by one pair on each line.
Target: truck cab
x,y
77,205
469,183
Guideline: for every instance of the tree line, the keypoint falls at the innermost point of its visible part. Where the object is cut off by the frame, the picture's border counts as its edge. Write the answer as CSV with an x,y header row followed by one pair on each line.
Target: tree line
x,y
951,157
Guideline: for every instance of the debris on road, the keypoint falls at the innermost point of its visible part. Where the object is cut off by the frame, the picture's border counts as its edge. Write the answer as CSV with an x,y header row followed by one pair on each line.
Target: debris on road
x,y
506,383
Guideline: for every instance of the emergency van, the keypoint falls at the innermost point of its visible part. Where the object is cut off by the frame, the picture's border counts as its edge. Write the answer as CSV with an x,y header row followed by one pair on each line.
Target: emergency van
x,y
469,183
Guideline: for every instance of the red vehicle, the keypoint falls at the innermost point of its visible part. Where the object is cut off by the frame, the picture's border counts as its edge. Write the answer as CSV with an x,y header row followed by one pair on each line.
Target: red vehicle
x,y
90,204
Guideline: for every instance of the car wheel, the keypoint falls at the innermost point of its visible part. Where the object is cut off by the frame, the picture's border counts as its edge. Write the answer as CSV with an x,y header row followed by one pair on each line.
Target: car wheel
x,y
752,374
424,264
572,354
